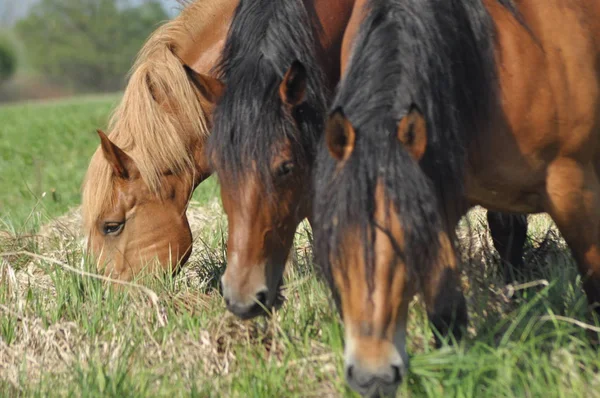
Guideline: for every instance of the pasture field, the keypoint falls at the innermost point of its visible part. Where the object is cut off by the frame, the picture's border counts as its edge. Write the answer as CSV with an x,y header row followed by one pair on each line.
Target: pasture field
x,y
63,333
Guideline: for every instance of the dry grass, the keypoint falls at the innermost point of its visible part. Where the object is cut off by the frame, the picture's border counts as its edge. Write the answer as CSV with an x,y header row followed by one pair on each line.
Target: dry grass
x,y
63,333
39,348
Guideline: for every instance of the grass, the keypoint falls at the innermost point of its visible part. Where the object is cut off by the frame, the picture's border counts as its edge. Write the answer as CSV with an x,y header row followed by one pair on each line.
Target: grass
x,y
45,149
65,334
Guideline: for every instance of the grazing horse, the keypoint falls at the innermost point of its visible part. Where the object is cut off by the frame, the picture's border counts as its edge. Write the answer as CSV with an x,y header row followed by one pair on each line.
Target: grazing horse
x,y
279,66
446,104
140,180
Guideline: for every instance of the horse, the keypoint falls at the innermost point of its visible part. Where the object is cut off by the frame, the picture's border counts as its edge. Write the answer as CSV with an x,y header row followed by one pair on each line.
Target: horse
x,y
444,105
140,179
279,67
279,64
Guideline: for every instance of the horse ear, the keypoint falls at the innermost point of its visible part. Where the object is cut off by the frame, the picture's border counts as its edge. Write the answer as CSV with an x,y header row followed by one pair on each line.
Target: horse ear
x,y
412,132
339,136
293,86
209,87
123,166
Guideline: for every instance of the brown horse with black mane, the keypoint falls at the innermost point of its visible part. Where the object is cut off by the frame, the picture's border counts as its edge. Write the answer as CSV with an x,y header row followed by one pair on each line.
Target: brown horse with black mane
x,y
279,66
445,104
140,180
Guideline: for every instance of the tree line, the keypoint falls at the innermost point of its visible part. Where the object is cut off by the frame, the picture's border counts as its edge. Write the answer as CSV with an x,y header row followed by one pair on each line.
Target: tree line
x,y
86,45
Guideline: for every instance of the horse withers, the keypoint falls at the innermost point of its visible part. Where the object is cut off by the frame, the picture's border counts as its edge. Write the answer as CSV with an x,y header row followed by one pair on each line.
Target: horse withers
x,y
141,178
444,105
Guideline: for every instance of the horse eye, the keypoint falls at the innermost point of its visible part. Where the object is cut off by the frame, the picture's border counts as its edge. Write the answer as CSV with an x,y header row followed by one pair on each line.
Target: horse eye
x,y
112,228
285,168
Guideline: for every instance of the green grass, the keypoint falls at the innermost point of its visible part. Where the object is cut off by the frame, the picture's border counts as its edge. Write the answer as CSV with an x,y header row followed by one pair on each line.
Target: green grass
x,y
63,334
44,153
45,149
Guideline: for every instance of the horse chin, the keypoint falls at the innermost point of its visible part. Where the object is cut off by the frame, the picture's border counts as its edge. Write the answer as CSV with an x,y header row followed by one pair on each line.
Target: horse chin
x,y
274,303
256,312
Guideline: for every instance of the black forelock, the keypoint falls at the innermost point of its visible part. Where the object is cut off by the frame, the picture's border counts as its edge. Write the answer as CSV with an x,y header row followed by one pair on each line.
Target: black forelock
x,y
250,121
346,201
439,56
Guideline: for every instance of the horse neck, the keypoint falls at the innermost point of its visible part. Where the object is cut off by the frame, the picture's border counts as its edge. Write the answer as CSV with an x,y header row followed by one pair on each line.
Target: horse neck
x,y
333,18
359,12
199,45
201,41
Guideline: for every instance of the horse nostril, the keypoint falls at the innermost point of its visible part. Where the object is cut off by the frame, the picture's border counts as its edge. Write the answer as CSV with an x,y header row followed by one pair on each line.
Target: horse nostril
x,y
261,297
227,301
349,372
397,374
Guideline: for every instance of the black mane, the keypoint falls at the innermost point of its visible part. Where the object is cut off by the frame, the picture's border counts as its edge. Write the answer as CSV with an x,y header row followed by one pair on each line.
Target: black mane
x,y
437,55
250,121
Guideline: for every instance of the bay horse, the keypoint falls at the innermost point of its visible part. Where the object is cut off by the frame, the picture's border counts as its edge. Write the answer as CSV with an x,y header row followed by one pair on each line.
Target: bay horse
x,y
443,105
279,67
141,178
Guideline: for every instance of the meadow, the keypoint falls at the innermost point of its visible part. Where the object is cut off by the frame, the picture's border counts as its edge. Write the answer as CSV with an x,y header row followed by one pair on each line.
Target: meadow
x,y
63,333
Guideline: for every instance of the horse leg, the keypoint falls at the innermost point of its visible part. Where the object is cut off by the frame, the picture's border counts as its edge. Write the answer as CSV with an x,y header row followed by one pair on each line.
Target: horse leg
x,y
573,195
508,234
444,299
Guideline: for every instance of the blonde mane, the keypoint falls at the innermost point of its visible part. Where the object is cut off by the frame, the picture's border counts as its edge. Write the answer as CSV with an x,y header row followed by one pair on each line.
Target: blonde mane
x,y
160,114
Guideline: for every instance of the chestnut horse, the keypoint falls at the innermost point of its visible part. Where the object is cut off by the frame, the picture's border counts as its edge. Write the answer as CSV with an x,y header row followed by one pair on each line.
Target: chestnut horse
x,y
446,104
279,66
140,180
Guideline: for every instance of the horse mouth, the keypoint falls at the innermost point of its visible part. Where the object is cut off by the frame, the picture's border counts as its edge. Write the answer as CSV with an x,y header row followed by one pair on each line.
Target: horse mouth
x,y
260,309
